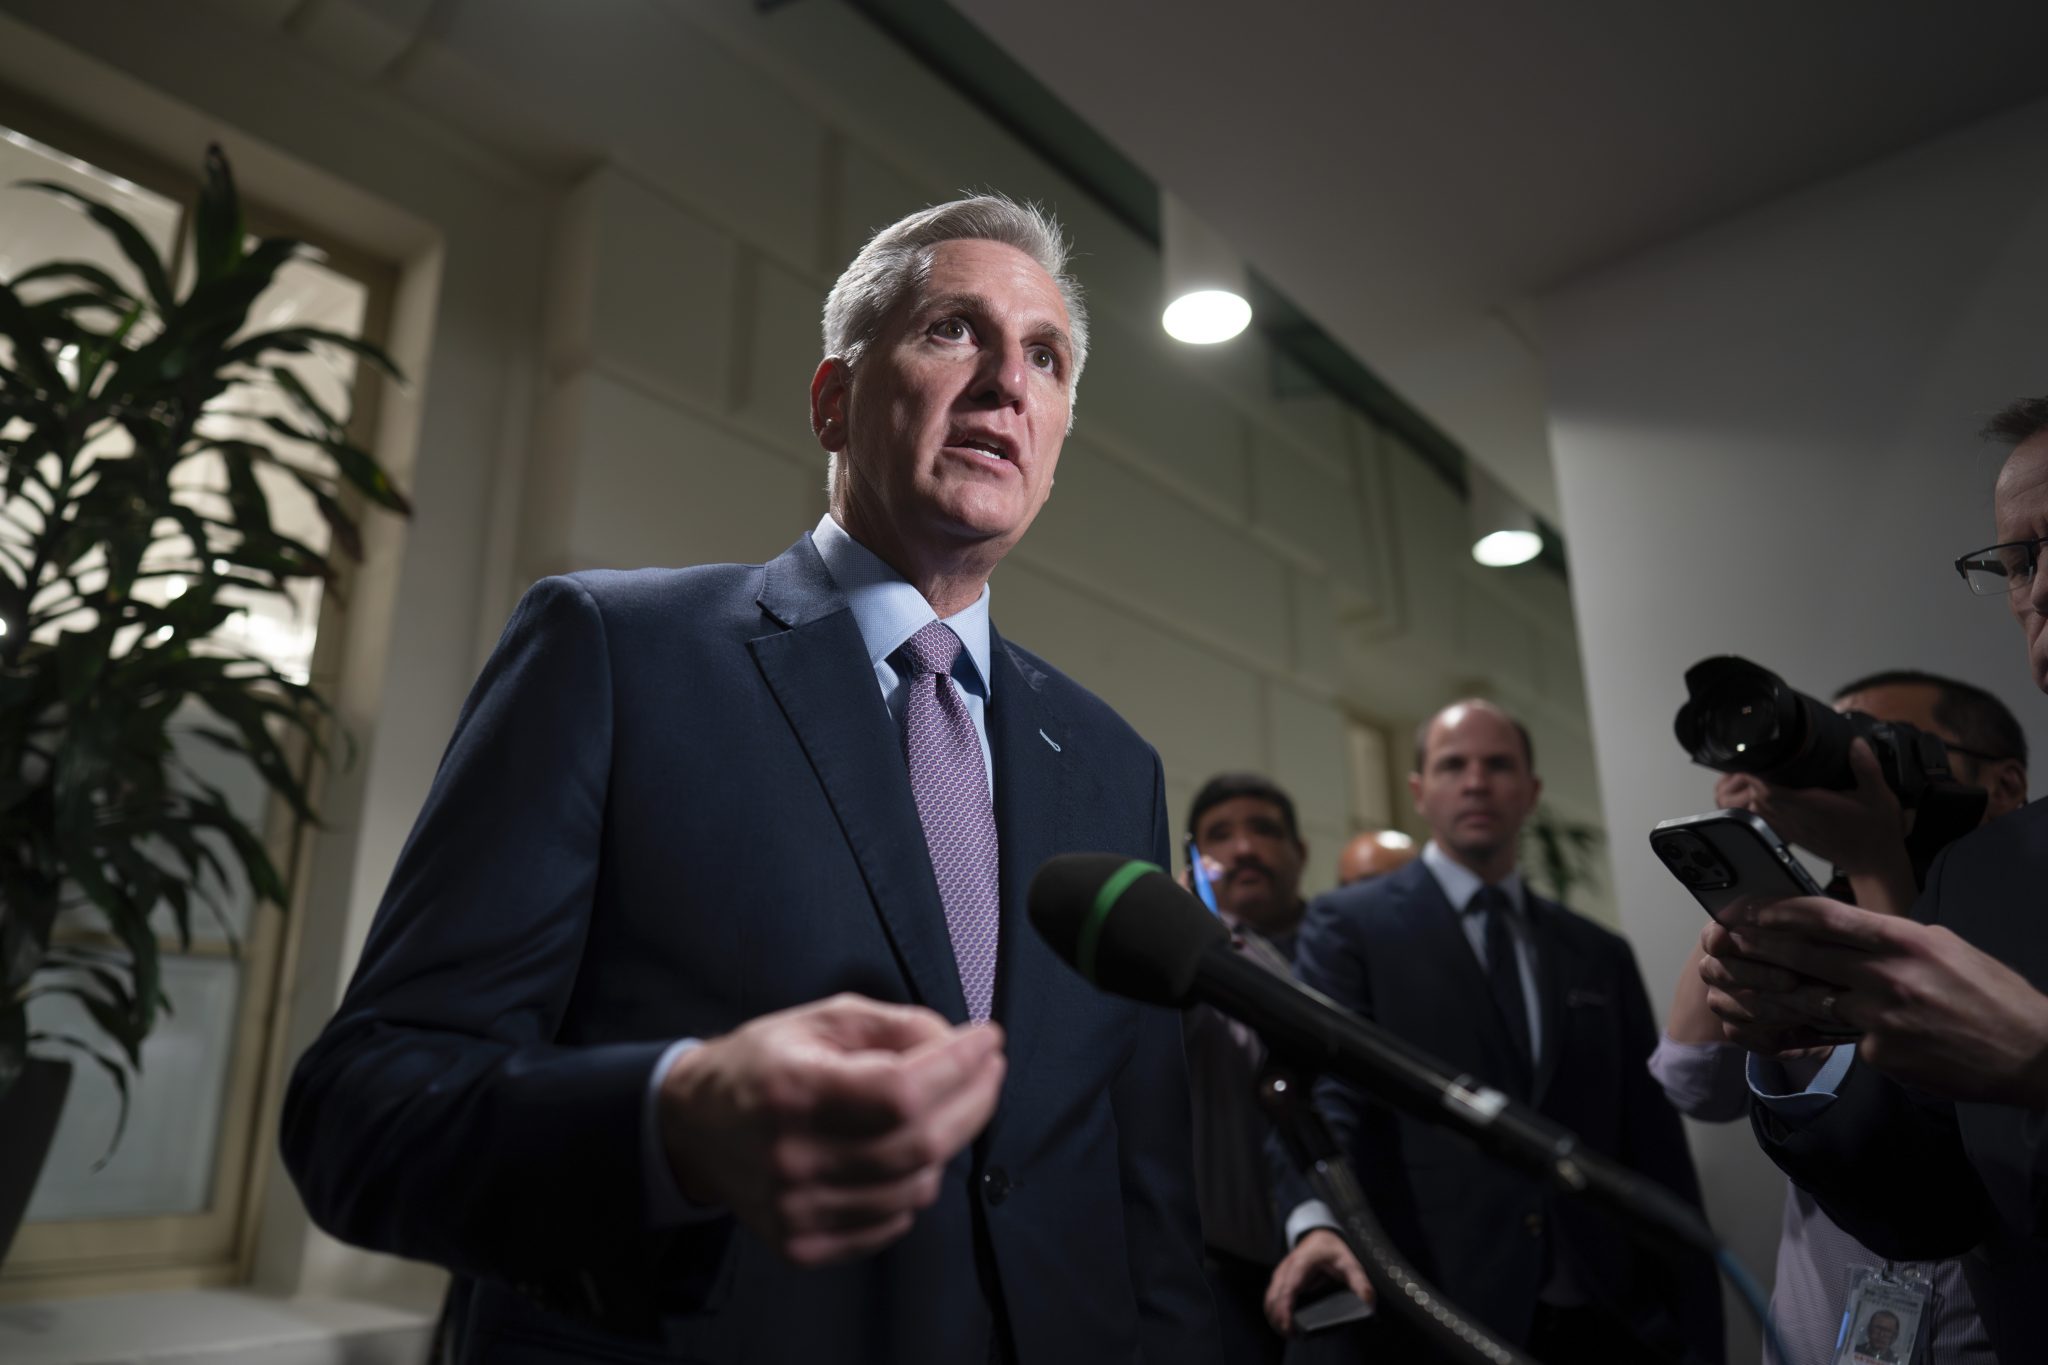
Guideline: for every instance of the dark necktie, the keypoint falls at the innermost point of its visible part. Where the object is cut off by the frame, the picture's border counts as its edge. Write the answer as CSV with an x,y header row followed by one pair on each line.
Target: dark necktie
x,y
1504,966
950,783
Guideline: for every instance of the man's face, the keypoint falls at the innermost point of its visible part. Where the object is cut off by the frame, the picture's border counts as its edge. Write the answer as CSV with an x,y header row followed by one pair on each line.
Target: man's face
x,y
1261,880
2021,508
1882,1331
950,427
1475,788
1913,704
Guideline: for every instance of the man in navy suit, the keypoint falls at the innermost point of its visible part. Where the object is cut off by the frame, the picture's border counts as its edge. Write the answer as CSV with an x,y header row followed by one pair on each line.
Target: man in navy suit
x,y
1456,955
701,1019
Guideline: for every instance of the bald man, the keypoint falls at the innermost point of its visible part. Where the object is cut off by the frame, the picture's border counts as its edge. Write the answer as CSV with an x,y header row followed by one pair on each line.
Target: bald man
x,y
1374,853
1454,954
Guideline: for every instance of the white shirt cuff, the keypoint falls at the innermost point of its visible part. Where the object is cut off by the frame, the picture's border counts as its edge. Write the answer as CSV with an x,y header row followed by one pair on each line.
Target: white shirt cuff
x,y
1306,1218
666,1206
1770,1083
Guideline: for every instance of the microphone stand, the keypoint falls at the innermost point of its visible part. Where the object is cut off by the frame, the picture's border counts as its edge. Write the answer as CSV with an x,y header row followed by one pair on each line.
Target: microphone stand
x,y
1284,1094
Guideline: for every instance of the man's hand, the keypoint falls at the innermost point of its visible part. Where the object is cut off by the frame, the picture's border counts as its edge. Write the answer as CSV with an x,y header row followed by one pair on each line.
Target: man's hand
x,y
1320,1255
1761,1006
827,1127
1861,831
1934,1011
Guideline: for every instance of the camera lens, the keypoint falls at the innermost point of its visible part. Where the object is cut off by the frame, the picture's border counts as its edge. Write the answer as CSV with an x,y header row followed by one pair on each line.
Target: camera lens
x,y
1739,722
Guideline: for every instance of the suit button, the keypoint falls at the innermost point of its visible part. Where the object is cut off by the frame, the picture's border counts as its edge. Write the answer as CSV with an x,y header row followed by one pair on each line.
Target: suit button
x,y
995,1185
1534,1222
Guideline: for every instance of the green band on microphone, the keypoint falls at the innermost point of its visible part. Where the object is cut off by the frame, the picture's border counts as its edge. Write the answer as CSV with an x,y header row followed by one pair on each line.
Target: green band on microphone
x,y
1091,928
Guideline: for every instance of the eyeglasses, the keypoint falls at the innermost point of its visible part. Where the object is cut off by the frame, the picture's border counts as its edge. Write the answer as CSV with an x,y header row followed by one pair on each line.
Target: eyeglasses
x,y
1997,570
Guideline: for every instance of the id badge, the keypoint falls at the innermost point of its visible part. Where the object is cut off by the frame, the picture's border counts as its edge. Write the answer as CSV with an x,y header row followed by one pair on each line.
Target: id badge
x,y
1881,1324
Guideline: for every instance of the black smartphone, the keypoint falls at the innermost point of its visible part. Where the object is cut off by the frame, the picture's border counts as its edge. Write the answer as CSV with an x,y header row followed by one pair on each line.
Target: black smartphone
x,y
1331,1310
1729,856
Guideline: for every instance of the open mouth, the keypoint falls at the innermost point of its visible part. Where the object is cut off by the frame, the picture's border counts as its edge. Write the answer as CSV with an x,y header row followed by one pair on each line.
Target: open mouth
x,y
988,445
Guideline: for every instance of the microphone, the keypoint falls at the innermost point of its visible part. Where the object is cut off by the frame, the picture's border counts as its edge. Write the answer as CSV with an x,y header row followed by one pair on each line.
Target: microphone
x,y
1131,930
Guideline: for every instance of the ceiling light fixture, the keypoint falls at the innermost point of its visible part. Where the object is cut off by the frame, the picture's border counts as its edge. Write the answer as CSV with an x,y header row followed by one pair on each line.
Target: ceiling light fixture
x,y
1207,293
1503,531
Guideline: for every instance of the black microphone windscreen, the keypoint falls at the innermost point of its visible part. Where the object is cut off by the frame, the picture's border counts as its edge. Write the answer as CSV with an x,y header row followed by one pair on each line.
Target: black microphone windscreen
x,y
1123,924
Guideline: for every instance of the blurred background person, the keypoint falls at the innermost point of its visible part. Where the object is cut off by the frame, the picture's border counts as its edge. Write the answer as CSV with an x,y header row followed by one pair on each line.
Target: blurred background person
x,y
1374,853
1244,829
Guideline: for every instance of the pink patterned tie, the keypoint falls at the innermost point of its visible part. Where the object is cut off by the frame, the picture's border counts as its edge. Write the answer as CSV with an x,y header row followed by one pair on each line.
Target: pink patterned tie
x,y
950,782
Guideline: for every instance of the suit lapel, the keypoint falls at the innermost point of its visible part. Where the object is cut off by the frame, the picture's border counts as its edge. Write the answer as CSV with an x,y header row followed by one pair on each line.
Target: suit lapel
x,y
1035,801
817,667
1435,922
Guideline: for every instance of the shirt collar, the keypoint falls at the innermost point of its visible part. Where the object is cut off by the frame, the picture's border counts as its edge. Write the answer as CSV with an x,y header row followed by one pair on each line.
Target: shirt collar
x,y
887,609
1460,883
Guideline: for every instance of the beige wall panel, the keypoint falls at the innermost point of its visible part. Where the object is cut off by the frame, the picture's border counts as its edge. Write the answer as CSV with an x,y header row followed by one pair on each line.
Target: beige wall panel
x,y
868,194
1325,841
1311,758
1137,396
1494,636
1109,527
1312,512
660,295
655,485
666,99
1313,629
779,347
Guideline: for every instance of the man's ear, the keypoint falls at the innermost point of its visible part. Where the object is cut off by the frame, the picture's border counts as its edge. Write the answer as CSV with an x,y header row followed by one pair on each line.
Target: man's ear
x,y
2008,786
1415,791
831,386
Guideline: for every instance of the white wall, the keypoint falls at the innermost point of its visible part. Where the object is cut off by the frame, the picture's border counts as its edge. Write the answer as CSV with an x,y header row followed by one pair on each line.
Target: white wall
x,y
1765,445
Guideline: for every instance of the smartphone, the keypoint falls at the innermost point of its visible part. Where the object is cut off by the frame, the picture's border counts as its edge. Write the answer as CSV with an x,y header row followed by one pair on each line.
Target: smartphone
x,y
1729,856
1199,875
1331,1310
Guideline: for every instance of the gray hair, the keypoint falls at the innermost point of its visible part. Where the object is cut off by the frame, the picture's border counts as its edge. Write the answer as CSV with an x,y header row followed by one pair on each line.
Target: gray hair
x,y
897,259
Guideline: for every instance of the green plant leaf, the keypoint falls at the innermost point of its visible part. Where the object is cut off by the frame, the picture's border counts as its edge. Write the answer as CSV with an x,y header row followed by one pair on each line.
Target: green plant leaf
x,y
217,233
22,330
295,389
115,1072
304,340
134,245
85,272
13,1043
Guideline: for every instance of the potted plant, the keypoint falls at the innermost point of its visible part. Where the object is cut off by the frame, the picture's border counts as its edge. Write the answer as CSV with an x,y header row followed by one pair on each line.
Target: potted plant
x,y
121,471
1567,854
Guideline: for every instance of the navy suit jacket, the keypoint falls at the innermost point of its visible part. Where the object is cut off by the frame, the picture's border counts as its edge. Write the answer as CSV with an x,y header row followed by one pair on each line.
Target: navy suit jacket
x,y
1914,1177
673,802
1391,949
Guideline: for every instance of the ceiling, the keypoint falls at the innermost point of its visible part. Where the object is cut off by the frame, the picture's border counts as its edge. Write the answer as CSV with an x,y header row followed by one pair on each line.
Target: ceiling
x,y
1414,176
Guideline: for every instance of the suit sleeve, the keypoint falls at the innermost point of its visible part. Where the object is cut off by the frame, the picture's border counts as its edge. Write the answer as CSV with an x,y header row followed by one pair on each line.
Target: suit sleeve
x,y
1654,1143
1155,1167
436,1116
1886,1164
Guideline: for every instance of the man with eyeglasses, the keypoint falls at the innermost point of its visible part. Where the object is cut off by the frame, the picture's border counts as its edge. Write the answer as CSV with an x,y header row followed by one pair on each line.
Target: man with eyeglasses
x,y
1862,832
1928,1136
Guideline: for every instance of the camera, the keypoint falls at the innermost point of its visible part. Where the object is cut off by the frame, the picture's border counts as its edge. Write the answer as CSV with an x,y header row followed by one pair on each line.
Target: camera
x,y
1740,717
1693,861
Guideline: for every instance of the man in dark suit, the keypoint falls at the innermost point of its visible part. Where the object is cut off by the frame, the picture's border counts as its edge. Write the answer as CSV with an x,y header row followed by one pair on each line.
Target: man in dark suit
x,y
701,1019
1928,1137
1456,955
